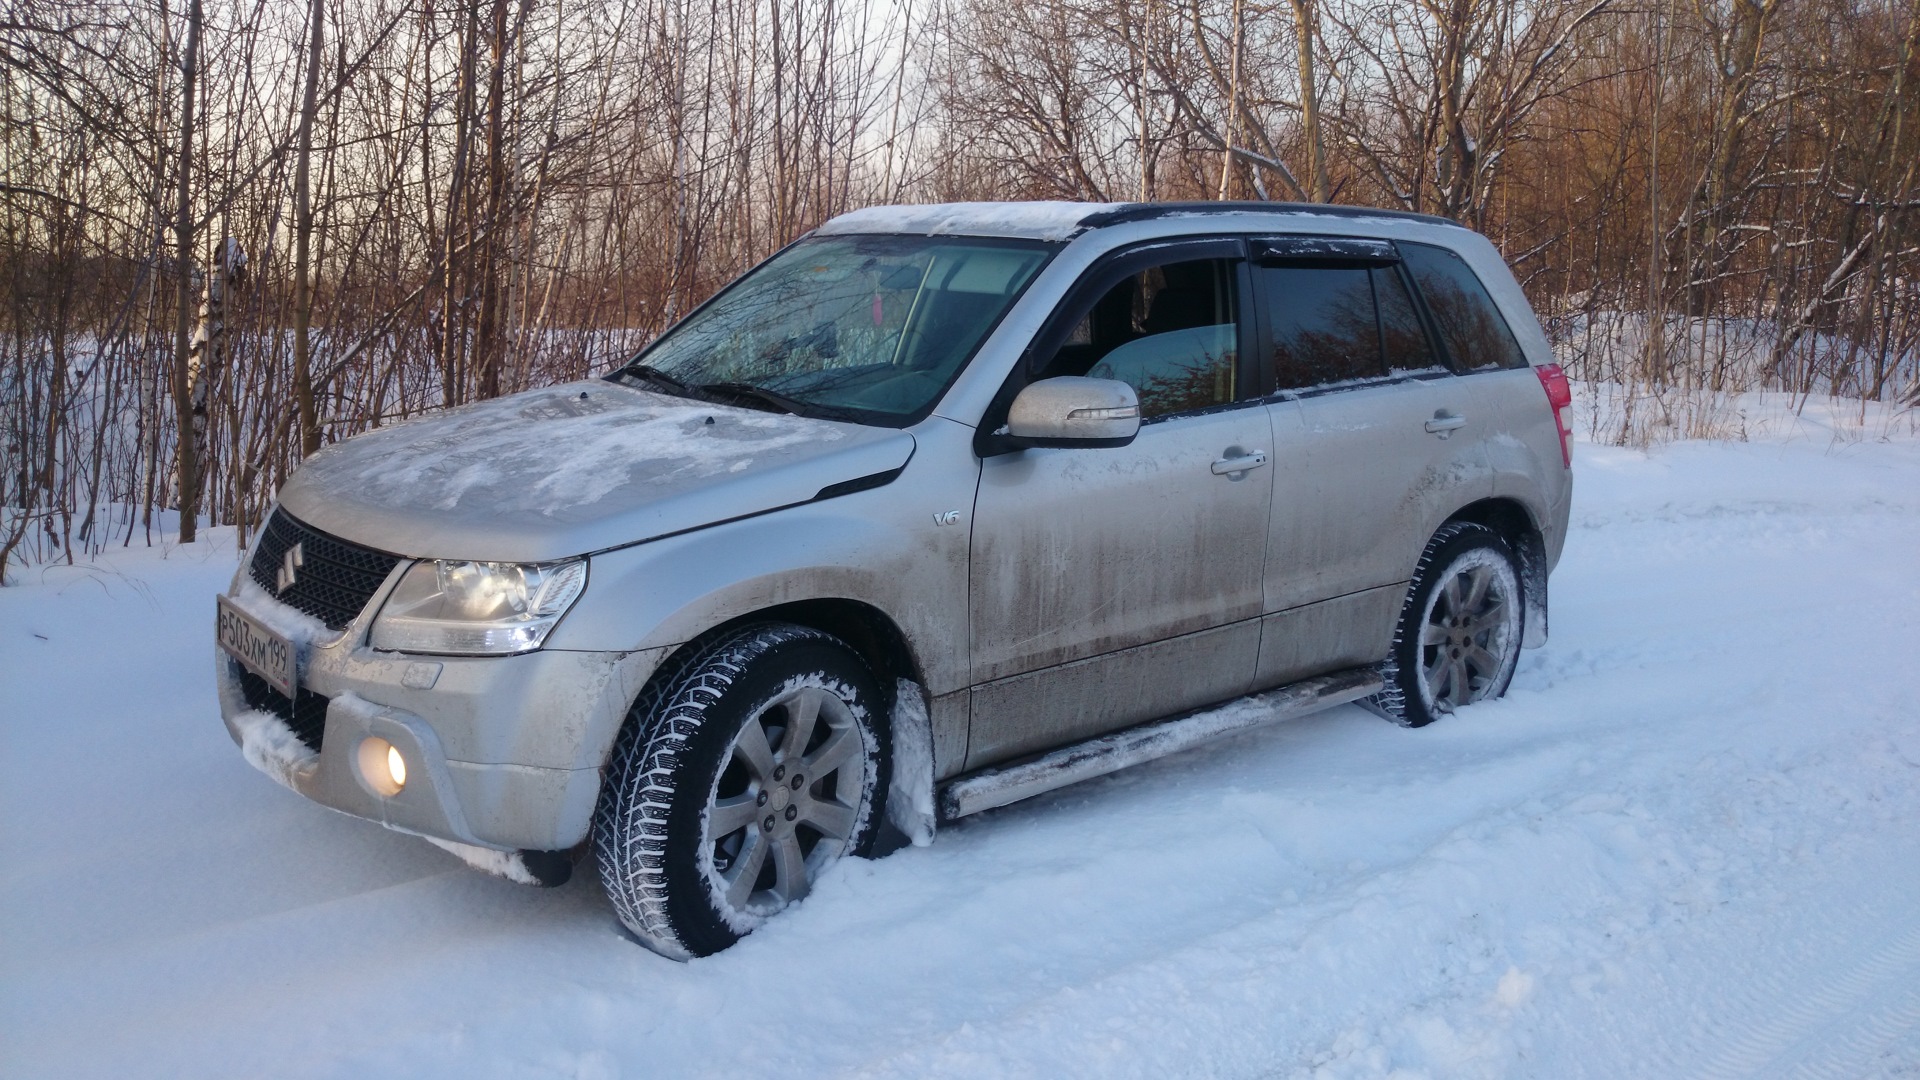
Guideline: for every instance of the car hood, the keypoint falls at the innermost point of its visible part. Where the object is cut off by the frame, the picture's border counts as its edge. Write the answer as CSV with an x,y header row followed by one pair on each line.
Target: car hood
x,y
575,469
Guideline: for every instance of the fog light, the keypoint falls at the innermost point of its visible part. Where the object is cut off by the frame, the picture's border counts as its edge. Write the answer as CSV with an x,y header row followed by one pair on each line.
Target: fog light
x,y
382,766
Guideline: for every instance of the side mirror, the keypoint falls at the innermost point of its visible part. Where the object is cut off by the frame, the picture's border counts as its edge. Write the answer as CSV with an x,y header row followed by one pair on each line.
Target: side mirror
x,y
1074,411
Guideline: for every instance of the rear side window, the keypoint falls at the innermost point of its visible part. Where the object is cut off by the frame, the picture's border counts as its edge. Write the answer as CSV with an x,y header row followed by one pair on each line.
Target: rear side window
x,y
1476,335
1324,328
1401,336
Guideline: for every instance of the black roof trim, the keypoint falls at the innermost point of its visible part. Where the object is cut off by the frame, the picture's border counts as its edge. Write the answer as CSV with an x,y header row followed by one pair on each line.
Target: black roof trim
x,y
1148,211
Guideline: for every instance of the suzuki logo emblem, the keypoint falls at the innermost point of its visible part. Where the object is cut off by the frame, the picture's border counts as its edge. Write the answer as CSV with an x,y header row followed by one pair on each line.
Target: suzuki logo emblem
x,y
290,568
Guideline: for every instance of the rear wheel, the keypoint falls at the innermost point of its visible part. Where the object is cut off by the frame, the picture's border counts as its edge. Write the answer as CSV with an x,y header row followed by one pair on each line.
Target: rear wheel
x,y
1458,639
739,779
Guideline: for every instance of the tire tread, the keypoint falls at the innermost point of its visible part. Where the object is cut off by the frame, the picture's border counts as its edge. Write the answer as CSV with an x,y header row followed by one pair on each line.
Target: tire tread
x,y
650,759
1391,702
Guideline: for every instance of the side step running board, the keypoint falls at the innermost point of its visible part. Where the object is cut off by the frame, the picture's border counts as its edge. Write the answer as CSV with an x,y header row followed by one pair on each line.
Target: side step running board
x,y
990,788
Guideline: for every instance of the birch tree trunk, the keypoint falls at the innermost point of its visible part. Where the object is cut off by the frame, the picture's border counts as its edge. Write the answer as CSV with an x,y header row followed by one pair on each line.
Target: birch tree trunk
x,y
186,456
1233,96
208,350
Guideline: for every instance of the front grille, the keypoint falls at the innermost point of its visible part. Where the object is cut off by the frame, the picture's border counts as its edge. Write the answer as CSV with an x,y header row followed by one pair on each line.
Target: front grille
x,y
306,714
334,580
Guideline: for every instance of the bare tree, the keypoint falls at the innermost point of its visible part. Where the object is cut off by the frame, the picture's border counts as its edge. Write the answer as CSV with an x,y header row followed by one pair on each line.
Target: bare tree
x,y
449,202
303,235
187,465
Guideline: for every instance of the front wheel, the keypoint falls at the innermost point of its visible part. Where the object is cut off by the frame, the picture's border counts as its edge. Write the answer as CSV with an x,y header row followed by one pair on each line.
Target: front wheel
x,y
739,779
1459,633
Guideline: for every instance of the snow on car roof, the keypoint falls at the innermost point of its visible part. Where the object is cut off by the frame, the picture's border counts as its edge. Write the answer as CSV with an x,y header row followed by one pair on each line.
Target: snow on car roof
x,y
1034,220
1064,220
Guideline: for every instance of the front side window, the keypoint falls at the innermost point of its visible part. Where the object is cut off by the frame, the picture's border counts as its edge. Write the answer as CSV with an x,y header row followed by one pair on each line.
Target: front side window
x,y
1171,332
858,327
1471,326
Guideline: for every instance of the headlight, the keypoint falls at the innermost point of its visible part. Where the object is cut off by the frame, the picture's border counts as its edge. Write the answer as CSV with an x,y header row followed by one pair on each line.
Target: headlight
x,y
477,608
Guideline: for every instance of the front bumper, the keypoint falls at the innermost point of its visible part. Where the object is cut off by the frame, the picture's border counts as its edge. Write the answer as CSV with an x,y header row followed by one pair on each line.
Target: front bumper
x,y
501,752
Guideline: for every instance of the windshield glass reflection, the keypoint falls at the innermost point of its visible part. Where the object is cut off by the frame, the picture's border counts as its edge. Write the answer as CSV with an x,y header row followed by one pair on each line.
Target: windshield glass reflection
x,y
854,327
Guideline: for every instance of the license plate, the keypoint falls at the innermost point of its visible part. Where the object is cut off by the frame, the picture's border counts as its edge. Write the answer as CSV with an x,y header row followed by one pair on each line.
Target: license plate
x,y
262,651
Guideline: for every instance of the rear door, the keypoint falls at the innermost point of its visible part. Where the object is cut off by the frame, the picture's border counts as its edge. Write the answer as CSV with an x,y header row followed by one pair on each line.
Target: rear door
x,y
1376,442
1525,446
1110,586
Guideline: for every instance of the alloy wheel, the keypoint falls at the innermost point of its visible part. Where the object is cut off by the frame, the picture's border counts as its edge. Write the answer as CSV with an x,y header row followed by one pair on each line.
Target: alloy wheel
x,y
786,802
1464,640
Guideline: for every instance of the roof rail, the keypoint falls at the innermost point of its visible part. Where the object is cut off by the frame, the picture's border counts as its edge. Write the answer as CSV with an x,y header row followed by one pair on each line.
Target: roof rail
x,y
1148,211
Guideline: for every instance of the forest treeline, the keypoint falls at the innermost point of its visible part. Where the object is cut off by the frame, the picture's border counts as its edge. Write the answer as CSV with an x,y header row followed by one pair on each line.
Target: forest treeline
x,y
232,231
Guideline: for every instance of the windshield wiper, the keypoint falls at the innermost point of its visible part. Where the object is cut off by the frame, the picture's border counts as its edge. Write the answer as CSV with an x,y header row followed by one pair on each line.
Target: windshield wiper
x,y
654,375
752,395
741,393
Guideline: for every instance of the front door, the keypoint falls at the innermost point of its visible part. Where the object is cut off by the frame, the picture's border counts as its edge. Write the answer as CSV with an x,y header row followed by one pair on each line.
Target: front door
x,y
1111,586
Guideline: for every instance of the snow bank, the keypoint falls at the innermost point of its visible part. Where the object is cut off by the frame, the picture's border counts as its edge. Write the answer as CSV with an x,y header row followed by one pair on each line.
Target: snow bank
x,y
1683,846
1606,348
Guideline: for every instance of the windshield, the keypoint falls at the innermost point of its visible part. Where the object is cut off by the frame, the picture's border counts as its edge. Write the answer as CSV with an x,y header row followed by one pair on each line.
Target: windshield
x,y
858,327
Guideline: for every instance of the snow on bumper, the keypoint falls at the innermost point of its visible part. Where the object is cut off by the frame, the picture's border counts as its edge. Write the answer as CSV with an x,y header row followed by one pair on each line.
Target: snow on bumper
x,y
502,754
270,745
429,803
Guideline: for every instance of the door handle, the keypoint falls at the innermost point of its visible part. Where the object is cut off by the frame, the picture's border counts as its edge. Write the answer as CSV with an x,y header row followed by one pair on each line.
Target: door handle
x,y
1445,423
1236,465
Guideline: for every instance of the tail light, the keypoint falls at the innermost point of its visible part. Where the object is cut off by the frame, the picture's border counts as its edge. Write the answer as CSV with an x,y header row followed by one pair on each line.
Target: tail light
x,y
1560,396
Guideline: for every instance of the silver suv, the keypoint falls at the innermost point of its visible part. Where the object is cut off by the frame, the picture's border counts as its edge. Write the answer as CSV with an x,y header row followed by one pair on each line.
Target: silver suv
x,y
938,508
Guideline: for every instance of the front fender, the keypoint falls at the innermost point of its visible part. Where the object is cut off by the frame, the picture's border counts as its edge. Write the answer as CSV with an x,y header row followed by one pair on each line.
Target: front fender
x,y
901,548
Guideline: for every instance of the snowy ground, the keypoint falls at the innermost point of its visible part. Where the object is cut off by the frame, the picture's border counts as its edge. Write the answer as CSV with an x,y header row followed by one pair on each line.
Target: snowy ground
x,y
1685,846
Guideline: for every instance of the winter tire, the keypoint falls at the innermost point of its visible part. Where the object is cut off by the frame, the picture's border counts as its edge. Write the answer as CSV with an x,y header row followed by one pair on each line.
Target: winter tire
x,y
740,776
1459,633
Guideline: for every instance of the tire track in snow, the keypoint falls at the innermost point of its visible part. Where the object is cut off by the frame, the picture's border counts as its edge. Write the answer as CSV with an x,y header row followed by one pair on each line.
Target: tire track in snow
x,y
1820,1031
1848,1049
